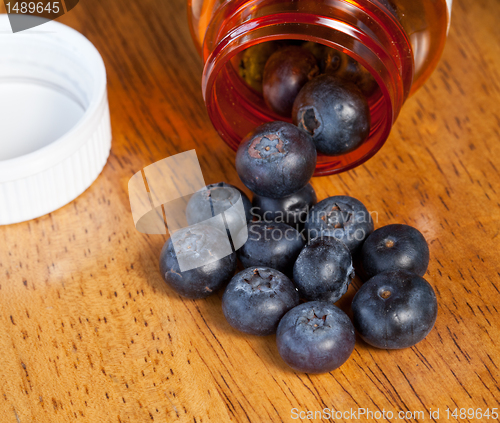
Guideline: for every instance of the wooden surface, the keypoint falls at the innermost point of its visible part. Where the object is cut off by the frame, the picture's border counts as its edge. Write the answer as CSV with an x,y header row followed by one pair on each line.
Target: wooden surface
x,y
89,332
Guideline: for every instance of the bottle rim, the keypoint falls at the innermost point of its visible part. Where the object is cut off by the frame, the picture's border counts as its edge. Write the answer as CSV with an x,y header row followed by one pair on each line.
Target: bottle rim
x,y
382,47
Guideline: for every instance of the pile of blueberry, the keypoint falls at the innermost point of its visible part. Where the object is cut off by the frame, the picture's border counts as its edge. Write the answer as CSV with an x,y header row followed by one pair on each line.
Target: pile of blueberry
x,y
322,90
298,259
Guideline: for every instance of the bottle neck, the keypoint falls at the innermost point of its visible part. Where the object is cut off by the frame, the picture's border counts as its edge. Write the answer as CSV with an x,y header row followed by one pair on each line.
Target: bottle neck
x,y
368,33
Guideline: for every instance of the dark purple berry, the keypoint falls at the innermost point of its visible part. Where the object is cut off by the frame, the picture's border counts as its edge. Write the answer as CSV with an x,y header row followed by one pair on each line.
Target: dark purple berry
x,y
285,73
197,243
271,244
315,337
395,247
253,60
276,159
333,60
323,270
319,51
215,199
257,298
342,217
334,112
346,68
395,309
291,210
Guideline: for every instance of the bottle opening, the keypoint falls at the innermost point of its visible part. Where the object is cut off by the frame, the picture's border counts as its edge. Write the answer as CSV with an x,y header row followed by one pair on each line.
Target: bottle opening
x,y
232,82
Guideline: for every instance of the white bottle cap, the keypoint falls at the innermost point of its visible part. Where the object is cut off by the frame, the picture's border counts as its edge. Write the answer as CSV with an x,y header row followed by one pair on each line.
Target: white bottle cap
x,y
55,133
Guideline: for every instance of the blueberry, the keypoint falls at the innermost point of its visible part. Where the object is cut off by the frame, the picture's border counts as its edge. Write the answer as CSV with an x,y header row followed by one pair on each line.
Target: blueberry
x,y
292,210
253,61
198,242
349,70
257,298
271,244
214,199
395,309
315,337
276,159
342,217
338,63
334,112
323,270
395,247
319,51
285,73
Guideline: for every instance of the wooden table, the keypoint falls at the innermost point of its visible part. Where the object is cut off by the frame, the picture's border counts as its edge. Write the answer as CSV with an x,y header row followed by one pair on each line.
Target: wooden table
x,y
89,331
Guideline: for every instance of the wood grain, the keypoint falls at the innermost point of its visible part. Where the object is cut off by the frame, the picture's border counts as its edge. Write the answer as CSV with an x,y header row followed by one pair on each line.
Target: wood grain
x,y
89,332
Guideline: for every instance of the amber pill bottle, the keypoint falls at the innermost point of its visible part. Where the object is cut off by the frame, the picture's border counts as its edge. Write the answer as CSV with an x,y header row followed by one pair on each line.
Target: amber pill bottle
x,y
398,41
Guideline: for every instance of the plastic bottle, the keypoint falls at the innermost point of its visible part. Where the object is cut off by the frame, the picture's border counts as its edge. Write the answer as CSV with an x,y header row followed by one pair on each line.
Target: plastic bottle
x,y
398,41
